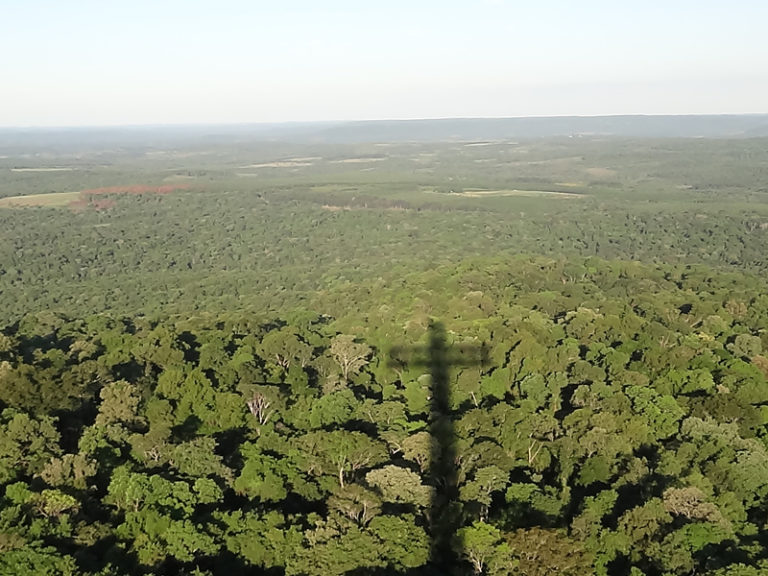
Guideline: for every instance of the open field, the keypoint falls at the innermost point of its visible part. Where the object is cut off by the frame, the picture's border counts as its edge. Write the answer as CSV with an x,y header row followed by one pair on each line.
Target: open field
x,y
280,164
84,198
67,169
358,160
52,200
471,193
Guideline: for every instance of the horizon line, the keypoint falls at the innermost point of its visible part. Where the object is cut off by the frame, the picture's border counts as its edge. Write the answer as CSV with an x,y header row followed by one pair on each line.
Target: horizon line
x,y
203,124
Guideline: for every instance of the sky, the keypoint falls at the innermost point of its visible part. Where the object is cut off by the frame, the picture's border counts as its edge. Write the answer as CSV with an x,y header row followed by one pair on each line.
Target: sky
x,y
114,62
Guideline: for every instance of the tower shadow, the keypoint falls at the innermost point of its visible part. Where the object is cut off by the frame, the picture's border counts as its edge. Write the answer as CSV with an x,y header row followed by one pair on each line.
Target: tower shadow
x,y
445,511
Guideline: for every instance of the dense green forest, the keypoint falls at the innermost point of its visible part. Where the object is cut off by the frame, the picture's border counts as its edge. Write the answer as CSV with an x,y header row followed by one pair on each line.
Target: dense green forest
x,y
537,357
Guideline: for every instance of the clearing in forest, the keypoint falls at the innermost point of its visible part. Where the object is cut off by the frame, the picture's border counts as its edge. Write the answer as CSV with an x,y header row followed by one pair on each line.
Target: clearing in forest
x,y
55,199
292,163
482,193
56,169
84,198
359,160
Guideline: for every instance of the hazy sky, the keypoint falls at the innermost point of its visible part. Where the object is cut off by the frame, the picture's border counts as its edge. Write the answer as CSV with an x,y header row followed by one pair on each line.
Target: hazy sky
x,y
89,62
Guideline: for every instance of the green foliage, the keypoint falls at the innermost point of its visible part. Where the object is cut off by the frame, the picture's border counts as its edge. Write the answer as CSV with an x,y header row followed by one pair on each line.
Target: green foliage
x,y
402,544
243,378
261,476
36,561
482,545
119,404
26,444
340,474
399,485
334,408
746,346
265,541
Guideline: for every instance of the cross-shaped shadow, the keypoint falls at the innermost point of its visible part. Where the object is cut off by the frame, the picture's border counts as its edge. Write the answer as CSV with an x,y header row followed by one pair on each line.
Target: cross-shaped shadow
x,y
445,511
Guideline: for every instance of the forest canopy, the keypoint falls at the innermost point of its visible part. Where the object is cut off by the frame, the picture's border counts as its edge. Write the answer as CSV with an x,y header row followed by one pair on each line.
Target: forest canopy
x,y
532,358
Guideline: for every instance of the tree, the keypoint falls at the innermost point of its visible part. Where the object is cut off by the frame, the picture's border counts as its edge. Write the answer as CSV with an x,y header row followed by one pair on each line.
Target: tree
x,y
263,402
119,405
418,448
339,452
265,540
334,408
400,486
284,347
356,503
73,470
155,536
746,346
548,552
262,476
54,503
402,543
36,560
26,444
197,458
332,549
485,549
486,481
349,355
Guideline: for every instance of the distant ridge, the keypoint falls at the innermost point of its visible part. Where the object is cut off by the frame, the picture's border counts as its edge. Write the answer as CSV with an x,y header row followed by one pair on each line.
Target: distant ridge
x,y
694,126
426,130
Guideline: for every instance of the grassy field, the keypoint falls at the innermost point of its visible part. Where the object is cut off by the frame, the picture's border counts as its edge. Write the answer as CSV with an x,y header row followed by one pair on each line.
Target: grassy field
x,y
52,200
473,193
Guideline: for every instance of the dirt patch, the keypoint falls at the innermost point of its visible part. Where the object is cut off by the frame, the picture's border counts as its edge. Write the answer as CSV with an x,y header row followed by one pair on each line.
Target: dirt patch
x,y
601,173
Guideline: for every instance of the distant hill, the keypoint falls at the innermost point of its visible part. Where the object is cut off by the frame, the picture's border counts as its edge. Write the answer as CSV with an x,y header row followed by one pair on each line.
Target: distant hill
x,y
427,130
725,126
